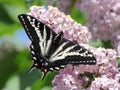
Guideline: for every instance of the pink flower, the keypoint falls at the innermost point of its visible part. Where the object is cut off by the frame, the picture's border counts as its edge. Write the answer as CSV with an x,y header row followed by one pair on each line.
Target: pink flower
x,y
58,21
66,80
65,5
103,19
103,75
106,66
106,61
104,83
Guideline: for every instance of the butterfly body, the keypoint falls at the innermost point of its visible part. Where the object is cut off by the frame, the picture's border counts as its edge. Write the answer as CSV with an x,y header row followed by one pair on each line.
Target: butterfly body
x,y
51,51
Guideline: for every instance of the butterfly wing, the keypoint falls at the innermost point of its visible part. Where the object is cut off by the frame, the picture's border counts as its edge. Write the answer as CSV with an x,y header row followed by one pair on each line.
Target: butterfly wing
x,y
40,35
57,50
71,53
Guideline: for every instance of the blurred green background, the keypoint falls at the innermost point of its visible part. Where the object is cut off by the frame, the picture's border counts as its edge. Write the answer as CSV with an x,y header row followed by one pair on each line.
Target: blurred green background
x,y
15,59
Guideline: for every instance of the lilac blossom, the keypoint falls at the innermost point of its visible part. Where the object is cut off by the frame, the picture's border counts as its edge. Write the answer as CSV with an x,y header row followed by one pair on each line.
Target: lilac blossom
x,y
103,19
62,5
66,80
65,5
58,21
106,66
103,75
104,83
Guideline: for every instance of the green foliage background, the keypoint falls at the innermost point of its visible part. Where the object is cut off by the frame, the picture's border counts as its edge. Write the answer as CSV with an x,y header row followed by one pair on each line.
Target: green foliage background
x,y
15,59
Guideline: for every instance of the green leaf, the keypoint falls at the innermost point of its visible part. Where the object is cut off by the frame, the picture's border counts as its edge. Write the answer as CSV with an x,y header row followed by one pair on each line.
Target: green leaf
x,y
7,67
99,43
38,85
4,16
13,2
107,44
95,44
8,29
12,62
13,83
35,2
9,18
27,79
23,60
46,88
118,61
78,16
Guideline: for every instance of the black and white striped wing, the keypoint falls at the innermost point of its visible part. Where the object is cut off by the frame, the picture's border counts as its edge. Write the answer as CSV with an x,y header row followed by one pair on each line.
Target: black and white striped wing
x,y
71,53
56,50
40,35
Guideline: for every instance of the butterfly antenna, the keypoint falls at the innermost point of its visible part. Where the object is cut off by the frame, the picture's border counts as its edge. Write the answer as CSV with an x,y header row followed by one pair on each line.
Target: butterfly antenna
x,y
31,69
44,74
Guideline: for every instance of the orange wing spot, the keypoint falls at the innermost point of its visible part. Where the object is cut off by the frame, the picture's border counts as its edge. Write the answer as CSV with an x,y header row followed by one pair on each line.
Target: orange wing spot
x,y
43,63
36,65
45,70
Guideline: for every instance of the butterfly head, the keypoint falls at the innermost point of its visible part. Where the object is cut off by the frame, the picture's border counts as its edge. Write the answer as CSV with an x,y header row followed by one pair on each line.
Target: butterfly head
x,y
42,65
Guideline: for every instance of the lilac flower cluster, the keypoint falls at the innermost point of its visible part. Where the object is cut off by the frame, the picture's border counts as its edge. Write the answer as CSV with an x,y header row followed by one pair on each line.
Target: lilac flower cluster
x,y
58,21
102,76
106,74
103,19
65,5
104,83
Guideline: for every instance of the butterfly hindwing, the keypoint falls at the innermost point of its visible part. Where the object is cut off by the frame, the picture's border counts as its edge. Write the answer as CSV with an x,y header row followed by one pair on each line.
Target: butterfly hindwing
x,y
69,52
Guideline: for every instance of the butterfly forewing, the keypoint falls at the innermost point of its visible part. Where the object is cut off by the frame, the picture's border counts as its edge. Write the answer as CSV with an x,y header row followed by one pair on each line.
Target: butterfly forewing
x,y
40,35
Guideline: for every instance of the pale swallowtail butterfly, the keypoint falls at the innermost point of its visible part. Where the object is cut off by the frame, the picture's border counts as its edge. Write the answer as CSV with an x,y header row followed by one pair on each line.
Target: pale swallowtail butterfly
x,y
51,51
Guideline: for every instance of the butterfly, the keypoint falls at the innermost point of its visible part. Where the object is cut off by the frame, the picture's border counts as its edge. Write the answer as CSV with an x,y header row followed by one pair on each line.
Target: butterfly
x,y
51,51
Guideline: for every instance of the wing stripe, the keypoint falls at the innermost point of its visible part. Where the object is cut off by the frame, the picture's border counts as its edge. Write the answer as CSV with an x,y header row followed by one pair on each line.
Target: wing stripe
x,y
44,39
70,52
41,39
62,53
58,50
38,32
32,22
49,42
44,35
